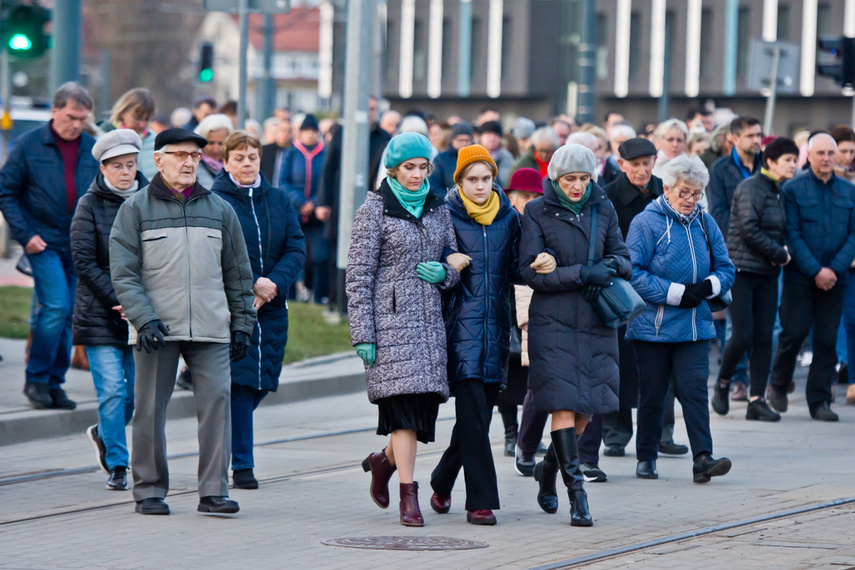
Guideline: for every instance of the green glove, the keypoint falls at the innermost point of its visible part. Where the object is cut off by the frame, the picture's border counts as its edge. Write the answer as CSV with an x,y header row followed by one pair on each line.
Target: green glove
x,y
367,352
431,271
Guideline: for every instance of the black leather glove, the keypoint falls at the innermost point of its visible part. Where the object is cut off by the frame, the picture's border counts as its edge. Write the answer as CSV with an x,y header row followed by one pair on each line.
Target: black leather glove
x,y
591,292
240,346
599,274
150,336
695,294
610,262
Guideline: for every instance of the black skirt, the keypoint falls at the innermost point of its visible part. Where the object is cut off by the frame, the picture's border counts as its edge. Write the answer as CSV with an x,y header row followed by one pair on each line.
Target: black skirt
x,y
415,412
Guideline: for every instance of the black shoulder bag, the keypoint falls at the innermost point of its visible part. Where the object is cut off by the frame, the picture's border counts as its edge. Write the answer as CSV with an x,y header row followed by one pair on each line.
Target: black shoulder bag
x,y
723,299
618,303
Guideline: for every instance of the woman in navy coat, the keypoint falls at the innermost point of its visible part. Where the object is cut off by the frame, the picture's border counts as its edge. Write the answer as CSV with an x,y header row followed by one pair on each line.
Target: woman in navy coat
x,y
477,317
277,250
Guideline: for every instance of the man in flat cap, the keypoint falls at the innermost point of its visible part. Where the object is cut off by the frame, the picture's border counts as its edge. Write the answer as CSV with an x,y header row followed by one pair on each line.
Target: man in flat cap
x,y
181,272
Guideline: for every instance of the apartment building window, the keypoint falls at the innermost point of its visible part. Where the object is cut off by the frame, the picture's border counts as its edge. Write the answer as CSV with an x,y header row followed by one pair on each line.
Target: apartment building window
x,y
392,41
743,37
602,54
507,47
706,43
783,27
477,52
635,36
419,60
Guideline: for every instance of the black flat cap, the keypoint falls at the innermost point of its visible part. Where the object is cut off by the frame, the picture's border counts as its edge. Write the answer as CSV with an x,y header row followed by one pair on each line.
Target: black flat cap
x,y
631,149
176,135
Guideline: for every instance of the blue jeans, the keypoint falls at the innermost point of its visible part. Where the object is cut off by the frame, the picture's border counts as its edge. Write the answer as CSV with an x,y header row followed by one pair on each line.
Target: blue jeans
x,y
55,285
112,370
244,401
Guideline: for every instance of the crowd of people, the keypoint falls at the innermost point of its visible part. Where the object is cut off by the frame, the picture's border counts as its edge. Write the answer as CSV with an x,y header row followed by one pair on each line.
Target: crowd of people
x,y
478,267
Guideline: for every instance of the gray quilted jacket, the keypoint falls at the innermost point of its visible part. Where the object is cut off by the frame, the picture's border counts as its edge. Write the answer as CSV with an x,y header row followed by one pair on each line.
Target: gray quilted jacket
x,y
388,305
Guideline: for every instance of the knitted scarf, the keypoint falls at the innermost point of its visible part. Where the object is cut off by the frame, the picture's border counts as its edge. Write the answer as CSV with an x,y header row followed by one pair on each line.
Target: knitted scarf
x,y
486,212
412,200
575,207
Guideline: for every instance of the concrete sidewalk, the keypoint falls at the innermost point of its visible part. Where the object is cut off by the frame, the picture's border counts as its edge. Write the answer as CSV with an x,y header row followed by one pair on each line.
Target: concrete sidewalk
x,y
331,375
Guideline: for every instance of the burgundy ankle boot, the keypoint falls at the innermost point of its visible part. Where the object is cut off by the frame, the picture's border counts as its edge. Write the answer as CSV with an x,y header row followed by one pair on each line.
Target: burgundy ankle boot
x,y
381,472
411,515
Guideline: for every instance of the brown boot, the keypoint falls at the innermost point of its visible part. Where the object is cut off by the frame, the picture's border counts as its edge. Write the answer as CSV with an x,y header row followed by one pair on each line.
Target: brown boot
x,y
381,472
411,515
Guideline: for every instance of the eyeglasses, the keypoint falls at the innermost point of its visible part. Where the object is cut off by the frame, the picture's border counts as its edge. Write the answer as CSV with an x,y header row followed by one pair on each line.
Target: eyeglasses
x,y
544,151
183,154
687,195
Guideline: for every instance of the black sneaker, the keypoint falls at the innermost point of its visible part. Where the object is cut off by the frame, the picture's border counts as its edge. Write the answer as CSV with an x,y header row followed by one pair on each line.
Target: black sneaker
x,y
61,401
523,462
759,410
823,413
614,450
100,448
671,448
721,398
592,473
118,480
38,395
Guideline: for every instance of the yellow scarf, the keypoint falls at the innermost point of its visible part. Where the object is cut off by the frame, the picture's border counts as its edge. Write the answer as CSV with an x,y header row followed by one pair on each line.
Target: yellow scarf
x,y
486,212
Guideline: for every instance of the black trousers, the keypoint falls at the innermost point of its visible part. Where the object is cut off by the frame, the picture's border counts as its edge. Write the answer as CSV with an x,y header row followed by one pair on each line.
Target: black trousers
x,y
752,313
470,447
589,443
689,364
532,424
803,306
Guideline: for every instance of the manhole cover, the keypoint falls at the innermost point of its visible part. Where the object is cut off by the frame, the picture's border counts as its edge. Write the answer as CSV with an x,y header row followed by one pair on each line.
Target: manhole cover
x,y
405,543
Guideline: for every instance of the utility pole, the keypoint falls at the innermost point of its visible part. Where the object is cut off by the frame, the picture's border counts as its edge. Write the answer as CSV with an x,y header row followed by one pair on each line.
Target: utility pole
x,y
65,54
243,22
266,87
587,61
354,155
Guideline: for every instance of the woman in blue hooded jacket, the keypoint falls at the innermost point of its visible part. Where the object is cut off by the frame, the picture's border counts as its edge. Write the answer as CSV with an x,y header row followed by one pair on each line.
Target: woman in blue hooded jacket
x,y
277,250
477,317
679,262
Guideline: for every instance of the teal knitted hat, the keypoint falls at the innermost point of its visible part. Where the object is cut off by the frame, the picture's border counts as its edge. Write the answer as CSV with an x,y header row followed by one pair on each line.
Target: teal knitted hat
x,y
406,146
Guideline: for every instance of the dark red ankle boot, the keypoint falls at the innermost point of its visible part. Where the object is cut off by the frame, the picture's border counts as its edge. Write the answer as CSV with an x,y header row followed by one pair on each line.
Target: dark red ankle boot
x,y
381,472
411,515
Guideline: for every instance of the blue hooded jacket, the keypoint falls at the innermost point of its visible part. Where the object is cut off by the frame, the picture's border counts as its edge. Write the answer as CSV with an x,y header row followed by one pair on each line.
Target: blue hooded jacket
x,y
669,251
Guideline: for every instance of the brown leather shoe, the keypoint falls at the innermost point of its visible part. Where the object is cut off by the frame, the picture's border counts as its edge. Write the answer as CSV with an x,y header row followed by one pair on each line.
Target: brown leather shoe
x,y
411,515
481,516
440,504
381,472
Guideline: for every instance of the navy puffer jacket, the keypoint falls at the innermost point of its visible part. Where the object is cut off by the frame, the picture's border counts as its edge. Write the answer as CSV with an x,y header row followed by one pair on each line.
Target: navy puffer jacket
x,y
277,250
478,312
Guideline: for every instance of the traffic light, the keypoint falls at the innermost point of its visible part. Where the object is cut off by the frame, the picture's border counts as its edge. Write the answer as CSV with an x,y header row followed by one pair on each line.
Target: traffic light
x,y
23,30
839,53
206,62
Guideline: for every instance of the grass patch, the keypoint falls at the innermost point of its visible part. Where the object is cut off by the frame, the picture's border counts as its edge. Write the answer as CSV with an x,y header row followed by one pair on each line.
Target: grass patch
x,y
309,334
15,311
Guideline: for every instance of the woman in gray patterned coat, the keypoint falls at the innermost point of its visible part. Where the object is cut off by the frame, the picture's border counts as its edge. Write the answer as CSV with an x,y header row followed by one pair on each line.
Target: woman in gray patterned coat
x,y
394,278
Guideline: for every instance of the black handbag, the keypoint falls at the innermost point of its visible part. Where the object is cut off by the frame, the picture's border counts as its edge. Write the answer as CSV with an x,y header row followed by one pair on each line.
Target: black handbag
x,y
723,299
618,303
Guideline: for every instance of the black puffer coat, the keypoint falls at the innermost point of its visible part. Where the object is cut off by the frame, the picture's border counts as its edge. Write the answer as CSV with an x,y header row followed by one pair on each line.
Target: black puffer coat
x,y
574,356
95,322
477,312
277,250
755,238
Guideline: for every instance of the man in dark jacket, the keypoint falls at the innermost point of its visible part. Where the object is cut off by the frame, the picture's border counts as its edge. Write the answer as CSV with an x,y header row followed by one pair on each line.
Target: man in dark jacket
x,y
445,163
47,171
272,153
180,269
631,192
820,213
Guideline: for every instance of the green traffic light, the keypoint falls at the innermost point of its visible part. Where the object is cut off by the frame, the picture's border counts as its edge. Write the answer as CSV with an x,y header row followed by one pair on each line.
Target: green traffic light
x,y
20,42
206,75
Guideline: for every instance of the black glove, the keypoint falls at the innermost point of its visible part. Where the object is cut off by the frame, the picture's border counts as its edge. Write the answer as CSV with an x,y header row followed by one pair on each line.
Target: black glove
x,y
150,336
240,345
610,262
695,294
599,274
591,292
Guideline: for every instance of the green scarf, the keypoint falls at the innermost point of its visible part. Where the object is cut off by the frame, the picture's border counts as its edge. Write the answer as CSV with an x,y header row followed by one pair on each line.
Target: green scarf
x,y
575,207
412,201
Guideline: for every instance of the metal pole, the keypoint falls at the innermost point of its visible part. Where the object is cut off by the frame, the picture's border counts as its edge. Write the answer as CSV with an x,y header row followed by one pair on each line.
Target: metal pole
x,y
267,89
65,53
587,62
5,92
354,156
243,20
770,100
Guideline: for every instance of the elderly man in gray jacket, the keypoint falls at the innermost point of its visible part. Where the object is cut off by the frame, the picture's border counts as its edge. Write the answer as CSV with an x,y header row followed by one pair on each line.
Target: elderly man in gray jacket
x,y
181,272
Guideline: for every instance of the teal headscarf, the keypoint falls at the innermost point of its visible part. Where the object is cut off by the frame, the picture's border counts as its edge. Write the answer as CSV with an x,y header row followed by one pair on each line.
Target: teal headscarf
x,y
575,207
412,201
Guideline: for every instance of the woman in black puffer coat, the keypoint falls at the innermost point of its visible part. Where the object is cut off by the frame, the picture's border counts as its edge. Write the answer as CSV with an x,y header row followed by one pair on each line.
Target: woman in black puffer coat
x,y
755,243
573,369
99,322
477,317
277,250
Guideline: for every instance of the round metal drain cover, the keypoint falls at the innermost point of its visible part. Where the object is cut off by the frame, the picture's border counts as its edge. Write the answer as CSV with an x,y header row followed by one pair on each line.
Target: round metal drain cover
x,y
405,543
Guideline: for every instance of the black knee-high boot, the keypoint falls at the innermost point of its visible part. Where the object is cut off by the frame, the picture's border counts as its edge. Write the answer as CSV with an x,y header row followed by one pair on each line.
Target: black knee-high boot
x,y
545,473
567,454
509,419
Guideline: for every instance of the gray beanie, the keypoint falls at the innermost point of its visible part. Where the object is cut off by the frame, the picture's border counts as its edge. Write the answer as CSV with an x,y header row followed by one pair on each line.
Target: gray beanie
x,y
572,158
523,128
